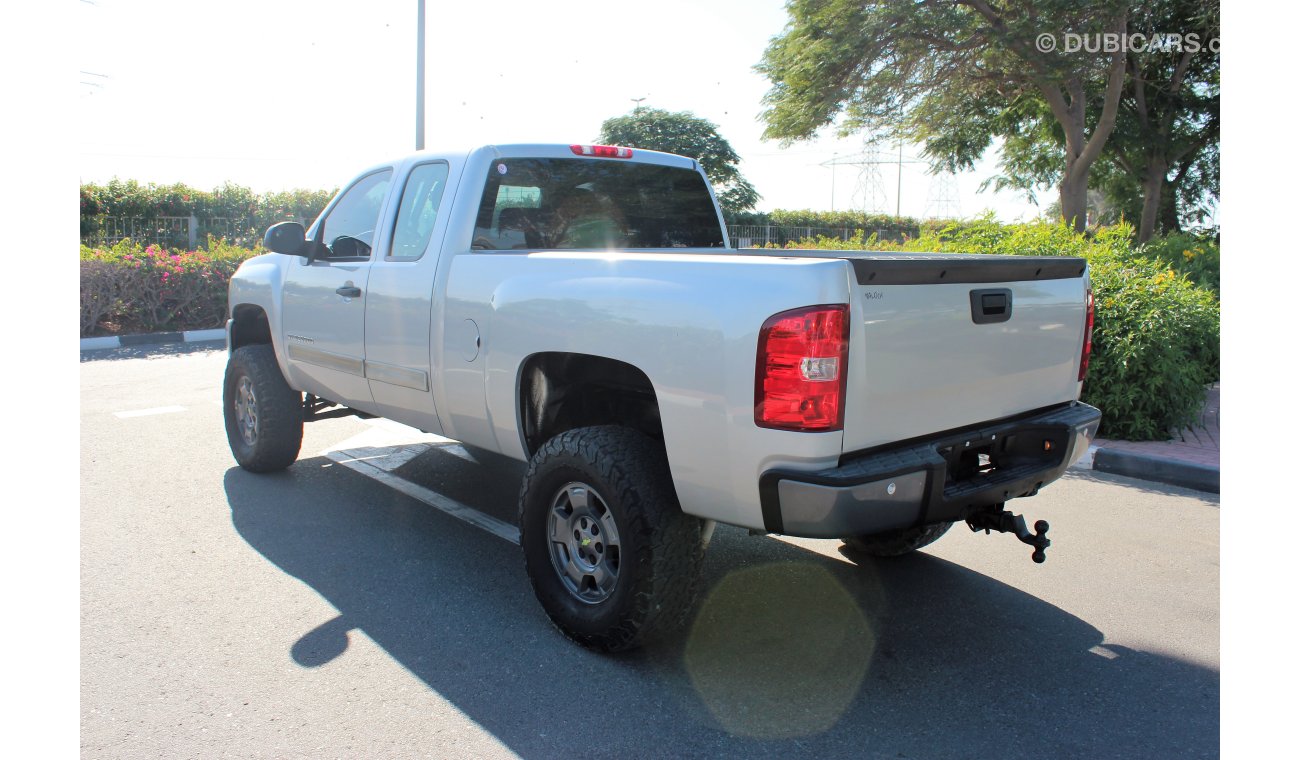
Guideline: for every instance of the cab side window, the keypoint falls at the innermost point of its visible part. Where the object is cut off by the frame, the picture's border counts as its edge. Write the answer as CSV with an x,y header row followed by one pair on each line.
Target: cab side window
x,y
418,211
349,230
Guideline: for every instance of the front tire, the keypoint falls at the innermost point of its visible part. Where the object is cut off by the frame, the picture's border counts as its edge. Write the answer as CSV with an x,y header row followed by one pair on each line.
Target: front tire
x,y
896,543
612,558
263,414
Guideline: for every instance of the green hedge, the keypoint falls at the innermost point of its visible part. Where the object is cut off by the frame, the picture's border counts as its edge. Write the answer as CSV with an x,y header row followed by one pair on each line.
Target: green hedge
x,y
893,227
129,288
249,213
1156,340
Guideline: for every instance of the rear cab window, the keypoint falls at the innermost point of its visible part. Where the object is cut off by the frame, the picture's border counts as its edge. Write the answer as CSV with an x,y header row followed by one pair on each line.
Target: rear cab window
x,y
568,204
417,211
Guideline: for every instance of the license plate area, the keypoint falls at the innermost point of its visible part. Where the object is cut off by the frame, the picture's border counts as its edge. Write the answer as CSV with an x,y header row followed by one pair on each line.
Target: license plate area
x,y
982,459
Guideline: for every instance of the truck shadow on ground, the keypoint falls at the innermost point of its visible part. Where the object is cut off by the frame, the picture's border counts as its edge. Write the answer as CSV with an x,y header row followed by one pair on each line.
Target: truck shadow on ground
x,y
790,651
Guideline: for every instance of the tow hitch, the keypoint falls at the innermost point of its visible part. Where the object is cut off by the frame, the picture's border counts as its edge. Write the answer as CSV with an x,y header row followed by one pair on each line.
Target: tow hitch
x,y
999,519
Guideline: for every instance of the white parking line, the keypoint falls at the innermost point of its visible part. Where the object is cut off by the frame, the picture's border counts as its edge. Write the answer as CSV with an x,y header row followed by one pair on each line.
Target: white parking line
x,y
386,446
353,460
148,412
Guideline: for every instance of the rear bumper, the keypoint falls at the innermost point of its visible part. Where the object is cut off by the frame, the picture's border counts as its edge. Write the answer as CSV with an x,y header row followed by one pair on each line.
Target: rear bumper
x,y
937,479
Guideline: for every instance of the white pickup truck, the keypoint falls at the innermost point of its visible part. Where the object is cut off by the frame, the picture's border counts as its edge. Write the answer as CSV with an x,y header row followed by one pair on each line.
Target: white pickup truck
x,y
579,308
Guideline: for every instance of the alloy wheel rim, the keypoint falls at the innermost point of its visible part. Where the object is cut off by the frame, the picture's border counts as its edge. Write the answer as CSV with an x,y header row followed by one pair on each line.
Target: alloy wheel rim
x,y
246,410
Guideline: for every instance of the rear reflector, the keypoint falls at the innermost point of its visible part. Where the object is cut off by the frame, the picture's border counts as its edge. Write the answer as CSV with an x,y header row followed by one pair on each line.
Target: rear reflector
x,y
802,362
1087,338
601,151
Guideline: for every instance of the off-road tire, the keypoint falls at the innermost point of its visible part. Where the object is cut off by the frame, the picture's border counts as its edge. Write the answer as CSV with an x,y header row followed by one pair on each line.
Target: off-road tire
x,y
895,543
271,441
660,549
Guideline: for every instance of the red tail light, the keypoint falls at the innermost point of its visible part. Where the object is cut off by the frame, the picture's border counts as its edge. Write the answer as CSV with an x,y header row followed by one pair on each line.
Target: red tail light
x,y
601,151
802,366
1087,338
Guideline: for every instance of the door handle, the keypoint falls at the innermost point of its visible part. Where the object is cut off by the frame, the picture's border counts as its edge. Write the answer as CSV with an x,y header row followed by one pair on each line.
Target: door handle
x,y
348,291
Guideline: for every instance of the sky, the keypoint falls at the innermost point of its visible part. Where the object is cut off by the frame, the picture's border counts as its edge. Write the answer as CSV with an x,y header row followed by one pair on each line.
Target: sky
x,y
282,94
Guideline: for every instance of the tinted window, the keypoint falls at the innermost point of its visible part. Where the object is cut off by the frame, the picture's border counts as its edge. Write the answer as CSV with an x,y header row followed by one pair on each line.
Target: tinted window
x,y
532,203
357,213
418,210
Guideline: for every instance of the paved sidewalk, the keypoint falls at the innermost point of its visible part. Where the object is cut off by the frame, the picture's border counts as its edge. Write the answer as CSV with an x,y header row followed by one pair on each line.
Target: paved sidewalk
x,y
1190,459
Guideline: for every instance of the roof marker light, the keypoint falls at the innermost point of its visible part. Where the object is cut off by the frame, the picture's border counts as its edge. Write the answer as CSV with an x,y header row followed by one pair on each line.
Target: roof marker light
x,y
601,151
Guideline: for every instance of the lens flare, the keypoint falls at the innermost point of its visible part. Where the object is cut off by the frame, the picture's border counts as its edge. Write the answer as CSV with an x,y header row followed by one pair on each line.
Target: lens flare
x,y
779,651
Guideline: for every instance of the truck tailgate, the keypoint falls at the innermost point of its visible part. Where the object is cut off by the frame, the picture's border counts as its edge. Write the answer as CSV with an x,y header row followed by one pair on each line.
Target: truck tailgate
x,y
948,341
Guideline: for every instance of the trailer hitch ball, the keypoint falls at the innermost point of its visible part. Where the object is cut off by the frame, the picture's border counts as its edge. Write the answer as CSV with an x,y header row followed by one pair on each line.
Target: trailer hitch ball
x,y
997,518
1040,542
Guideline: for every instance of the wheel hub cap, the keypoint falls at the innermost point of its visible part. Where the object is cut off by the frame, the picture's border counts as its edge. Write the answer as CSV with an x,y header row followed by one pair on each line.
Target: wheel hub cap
x,y
584,542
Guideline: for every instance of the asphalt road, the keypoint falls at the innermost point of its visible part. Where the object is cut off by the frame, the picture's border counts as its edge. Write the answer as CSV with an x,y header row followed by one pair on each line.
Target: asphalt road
x,y
319,613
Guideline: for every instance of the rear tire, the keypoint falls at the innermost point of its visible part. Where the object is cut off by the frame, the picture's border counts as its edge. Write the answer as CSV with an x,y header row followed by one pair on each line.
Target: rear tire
x,y
896,543
612,558
263,414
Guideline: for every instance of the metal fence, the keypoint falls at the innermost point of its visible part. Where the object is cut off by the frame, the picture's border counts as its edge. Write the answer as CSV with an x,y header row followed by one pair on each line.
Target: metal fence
x,y
759,236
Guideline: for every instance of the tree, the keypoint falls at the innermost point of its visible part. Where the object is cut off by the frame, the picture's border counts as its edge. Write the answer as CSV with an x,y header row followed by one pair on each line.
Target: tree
x,y
686,134
1171,113
1102,210
952,74
1161,163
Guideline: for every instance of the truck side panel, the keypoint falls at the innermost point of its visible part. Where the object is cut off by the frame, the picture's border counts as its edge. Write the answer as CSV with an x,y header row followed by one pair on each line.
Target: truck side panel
x,y
688,321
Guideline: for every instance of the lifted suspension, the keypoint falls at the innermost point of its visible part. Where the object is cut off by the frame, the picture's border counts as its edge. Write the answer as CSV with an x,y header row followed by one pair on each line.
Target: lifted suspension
x,y
314,408
999,519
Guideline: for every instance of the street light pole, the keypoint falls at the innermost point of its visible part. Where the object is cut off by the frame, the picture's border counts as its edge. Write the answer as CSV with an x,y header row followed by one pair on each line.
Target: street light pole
x,y
419,78
898,207
833,157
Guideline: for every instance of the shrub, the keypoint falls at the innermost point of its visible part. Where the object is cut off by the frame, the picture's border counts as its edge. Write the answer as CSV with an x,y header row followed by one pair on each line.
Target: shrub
x,y
1155,347
1196,256
150,289
1156,341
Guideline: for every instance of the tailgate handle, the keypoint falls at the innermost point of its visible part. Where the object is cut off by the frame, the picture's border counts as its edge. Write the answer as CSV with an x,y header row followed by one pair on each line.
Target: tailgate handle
x,y
990,305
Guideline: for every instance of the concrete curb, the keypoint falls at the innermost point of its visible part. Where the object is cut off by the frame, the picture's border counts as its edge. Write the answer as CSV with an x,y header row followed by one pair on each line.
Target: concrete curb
x,y
152,339
1159,469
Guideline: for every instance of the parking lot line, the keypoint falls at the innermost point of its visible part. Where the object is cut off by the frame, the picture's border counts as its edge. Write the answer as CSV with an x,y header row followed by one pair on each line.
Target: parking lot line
x,y
148,412
499,528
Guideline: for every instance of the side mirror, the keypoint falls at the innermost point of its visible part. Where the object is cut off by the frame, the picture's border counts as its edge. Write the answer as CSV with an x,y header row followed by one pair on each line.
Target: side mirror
x,y
288,238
